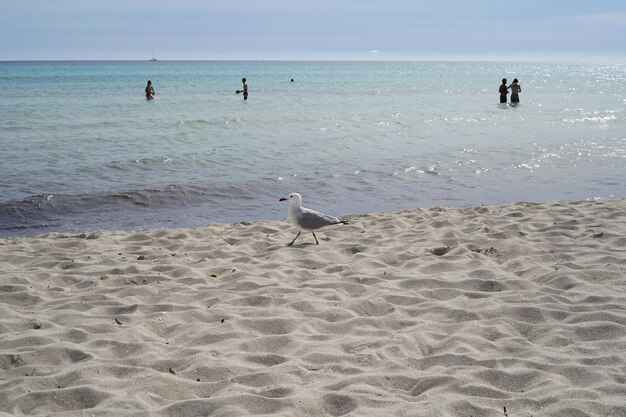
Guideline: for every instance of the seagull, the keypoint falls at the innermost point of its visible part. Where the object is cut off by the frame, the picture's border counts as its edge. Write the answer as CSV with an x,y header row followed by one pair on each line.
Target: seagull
x,y
307,219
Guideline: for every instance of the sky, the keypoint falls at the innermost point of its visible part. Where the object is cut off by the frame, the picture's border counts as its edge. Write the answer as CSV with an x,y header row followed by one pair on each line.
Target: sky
x,y
547,30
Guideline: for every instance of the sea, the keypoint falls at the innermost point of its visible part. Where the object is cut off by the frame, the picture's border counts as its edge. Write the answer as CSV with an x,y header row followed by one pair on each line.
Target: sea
x,y
82,150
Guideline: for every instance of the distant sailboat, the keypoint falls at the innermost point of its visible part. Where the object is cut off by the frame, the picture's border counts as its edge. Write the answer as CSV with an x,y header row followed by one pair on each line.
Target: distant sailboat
x,y
153,58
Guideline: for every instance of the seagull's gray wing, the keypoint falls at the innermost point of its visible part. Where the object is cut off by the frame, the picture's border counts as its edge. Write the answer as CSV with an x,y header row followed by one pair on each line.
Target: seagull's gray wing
x,y
311,219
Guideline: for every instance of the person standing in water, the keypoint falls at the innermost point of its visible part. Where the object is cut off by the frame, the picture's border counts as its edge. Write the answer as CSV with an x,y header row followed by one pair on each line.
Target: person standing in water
x,y
149,91
245,89
515,90
504,91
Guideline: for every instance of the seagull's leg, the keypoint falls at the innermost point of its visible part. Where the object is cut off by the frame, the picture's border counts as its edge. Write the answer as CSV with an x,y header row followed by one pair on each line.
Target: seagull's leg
x,y
294,239
316,242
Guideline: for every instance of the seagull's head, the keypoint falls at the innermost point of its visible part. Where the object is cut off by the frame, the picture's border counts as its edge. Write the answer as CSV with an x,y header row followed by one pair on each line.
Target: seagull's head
x,y
293,198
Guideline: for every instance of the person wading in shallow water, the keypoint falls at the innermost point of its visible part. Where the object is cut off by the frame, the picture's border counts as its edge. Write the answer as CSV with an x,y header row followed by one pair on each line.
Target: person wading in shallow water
x,y
149,91
515,90
504,91
245,89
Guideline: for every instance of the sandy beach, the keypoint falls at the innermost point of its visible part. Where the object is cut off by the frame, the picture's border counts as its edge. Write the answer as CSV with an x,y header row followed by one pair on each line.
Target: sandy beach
x,y
425,312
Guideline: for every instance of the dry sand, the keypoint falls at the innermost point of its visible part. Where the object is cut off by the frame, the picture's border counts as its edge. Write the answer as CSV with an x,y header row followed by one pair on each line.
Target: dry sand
x,y
438,312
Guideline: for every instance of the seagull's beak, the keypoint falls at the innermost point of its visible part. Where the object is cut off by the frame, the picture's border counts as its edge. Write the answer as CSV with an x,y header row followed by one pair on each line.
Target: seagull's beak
x,y
283,199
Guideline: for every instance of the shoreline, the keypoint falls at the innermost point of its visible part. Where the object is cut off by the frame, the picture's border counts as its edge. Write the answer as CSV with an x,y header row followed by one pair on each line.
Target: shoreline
x,y
438,311
72,224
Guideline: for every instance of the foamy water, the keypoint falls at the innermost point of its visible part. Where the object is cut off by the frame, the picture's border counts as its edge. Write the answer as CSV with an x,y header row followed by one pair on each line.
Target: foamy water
x,y
81,148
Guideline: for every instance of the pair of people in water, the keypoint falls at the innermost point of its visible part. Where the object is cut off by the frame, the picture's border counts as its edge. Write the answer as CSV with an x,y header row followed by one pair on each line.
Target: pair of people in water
x,y
150,90
515,90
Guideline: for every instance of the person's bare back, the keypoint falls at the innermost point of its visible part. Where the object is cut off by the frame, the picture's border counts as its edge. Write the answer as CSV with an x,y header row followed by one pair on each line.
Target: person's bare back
x,y
515,90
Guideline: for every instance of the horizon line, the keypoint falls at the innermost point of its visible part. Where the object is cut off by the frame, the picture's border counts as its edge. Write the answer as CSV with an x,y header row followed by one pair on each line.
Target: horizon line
x,y
547,61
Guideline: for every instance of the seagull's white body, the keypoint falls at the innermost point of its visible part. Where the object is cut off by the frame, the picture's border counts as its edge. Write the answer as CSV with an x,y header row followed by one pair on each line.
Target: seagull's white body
x,y
307,219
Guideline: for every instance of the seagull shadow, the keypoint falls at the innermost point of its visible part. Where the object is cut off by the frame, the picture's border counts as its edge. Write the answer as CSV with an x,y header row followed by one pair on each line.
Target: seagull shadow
x,y
278,247
301,245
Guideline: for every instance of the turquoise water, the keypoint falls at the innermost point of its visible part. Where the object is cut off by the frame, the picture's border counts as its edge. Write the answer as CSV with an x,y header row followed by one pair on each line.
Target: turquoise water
x,y
81,149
